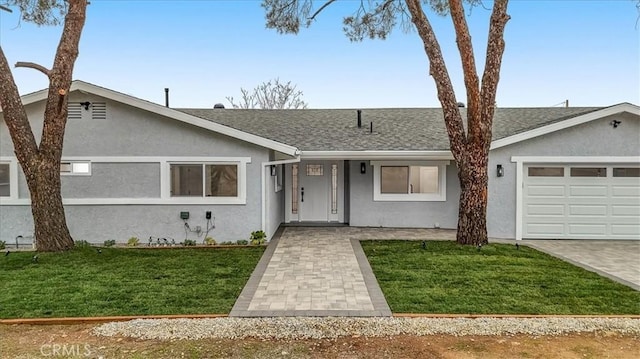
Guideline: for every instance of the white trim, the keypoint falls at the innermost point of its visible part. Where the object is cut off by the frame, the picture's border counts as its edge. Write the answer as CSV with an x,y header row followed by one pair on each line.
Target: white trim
x,y
264,189
154,159
591,116
168,112
441,196
377,155
520,161
130,201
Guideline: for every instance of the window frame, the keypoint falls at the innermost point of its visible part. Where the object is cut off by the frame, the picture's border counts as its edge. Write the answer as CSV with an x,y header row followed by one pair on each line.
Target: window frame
x,y
439,196
241,183
73,172
13,178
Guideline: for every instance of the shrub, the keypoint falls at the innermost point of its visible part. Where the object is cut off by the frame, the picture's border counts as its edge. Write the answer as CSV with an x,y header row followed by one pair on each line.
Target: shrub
x,y
82,244
242,242
210,241
133,241
189,242
3,245
258,237
109,243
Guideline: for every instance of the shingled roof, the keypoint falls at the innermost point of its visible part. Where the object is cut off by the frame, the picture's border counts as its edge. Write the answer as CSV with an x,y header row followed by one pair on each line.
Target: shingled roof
x,y
410,129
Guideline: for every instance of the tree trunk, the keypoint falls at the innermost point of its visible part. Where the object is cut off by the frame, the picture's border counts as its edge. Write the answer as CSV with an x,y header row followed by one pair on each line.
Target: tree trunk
x,y
51,232
472,212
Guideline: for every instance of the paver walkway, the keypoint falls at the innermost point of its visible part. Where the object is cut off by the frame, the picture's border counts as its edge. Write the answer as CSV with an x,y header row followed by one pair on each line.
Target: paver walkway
x,y
320,271
617,260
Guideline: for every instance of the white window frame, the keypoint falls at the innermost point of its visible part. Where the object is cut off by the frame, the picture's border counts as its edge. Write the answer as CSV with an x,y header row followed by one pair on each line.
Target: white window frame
x,y
13,177
74,171
440,196
241,198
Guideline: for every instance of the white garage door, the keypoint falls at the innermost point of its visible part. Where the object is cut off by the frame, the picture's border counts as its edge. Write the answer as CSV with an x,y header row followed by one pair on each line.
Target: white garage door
x,y
581,201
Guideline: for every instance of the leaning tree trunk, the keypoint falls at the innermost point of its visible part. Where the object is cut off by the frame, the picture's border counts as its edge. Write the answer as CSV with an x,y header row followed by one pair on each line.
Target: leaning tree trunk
x,y
50,225
472,212
41,163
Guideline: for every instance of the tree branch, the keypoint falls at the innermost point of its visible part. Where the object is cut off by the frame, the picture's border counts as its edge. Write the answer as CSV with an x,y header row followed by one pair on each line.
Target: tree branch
x,y
438,70
471,82
34,66
313,17
2,7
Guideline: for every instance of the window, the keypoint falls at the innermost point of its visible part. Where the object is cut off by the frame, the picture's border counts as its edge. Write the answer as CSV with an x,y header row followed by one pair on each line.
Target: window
x,y
588,172
82,168
5,180
626,172
409,181
334,189
315,170
294,188
204,180
546,172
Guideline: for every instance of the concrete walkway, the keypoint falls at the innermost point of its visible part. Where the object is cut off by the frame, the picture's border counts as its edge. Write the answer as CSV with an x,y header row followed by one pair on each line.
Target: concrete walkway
x,y
320,271
617,260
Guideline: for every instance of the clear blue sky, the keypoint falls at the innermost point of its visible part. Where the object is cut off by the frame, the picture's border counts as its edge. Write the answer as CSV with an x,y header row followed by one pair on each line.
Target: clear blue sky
x,y
585,51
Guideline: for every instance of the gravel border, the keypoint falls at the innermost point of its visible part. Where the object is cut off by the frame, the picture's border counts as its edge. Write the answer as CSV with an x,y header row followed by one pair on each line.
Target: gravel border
x,y
335,327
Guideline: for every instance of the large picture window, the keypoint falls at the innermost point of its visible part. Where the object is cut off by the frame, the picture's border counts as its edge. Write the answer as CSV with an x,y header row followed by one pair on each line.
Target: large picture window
x,y
409,181
204,180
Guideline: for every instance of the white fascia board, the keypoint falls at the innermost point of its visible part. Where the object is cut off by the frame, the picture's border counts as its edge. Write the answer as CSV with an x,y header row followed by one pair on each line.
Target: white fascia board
x,y
575,159
168,112
377,155
578,120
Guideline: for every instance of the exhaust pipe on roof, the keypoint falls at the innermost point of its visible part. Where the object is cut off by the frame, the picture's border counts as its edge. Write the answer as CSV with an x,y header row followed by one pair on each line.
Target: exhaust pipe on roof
x,y
166,96
359,118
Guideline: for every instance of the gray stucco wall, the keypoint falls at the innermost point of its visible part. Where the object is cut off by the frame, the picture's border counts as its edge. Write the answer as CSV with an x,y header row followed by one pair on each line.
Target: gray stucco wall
x,y
132,132
275,203
366,212
596,138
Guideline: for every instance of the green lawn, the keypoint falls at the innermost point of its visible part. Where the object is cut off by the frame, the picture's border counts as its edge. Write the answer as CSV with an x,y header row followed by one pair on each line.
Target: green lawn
x,y
120,281
449,278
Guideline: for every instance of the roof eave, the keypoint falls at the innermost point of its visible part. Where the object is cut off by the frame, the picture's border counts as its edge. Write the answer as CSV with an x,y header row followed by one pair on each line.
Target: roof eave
x,y
377,155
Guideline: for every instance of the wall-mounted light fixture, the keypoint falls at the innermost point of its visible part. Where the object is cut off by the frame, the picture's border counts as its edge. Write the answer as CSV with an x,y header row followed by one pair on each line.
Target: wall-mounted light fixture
x,y
86,105
273,170
500,171
363,167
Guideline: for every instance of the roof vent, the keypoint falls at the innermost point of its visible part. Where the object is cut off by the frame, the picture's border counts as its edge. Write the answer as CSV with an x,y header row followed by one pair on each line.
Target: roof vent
x,y
218,105
359,118
460,104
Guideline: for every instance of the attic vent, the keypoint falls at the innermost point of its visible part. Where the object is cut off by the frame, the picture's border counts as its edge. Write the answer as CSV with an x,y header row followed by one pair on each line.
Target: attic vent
x,y
218,105
74,111
87,110
98,111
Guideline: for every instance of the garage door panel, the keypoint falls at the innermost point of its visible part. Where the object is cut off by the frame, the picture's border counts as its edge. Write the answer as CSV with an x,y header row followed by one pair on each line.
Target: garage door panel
x,y
545,210
546,229
626,229
546,191
625,210
588,229
588,191
625,191
587,210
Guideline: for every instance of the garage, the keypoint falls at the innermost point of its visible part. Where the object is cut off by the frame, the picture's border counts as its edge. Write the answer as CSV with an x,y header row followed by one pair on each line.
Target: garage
x,y
581,201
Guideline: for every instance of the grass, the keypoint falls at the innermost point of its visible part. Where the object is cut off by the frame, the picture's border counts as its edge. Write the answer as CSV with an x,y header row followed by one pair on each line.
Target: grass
x,y
450,278
83,282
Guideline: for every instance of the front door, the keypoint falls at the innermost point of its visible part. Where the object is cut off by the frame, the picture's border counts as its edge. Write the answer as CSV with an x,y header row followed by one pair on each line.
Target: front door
x,y
317,195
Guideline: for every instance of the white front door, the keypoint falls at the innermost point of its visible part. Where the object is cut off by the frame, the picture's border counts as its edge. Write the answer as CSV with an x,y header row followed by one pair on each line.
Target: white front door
x,y
316,192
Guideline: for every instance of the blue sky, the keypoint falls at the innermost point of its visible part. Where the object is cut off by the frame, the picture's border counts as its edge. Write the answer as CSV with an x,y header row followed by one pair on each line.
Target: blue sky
x,y
585,51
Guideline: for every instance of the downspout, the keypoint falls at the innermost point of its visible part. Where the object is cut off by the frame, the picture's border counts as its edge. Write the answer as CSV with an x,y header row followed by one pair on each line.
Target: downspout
x,y
264,185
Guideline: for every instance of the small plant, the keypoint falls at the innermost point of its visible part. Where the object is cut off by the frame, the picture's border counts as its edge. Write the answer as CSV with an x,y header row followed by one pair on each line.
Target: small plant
x,y
210,241
109,243
227,243
82,244
133,241
189,243
3,245
258,238
242,242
